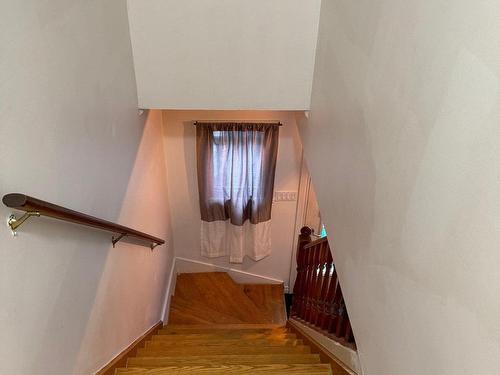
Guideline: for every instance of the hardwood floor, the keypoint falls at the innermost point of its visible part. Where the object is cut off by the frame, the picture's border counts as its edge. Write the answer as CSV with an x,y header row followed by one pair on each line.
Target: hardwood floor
x,y
206,298
269,298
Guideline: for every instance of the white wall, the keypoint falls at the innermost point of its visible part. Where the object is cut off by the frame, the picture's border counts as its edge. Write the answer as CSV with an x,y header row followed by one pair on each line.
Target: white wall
x,y
403,146
70,134
224,54
180,142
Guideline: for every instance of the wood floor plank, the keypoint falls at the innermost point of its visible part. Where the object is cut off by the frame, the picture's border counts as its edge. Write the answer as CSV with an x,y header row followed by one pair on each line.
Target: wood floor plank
x,y
229,359
223,334
269,298
251,326
217,291
227,342
229,336
274,369
225,327
186,311
158,351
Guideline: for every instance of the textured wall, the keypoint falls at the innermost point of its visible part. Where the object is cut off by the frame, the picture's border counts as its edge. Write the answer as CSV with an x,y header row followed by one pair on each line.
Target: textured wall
x,y
403,146
70,134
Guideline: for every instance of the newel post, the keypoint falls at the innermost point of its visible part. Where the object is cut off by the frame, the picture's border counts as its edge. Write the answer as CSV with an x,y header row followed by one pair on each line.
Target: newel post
x,y
299,287
304,239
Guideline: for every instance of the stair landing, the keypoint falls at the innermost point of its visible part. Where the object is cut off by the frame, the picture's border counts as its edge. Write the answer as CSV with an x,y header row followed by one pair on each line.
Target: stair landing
x,y
214,298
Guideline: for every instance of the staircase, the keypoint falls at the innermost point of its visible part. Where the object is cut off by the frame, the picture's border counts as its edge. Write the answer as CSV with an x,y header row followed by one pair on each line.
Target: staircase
x,y
217,326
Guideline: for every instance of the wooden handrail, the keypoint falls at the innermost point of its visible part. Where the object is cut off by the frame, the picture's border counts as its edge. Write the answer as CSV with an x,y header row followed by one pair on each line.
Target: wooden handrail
x,y
317,296
315,242
36,207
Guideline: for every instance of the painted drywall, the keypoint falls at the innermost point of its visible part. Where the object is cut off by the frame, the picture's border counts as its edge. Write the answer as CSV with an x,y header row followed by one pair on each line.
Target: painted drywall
x,y
403,147
225,54
131,292
70,134
183,189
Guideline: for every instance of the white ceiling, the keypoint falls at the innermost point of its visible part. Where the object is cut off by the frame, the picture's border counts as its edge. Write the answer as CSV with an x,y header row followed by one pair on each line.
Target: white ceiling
x,y
224,54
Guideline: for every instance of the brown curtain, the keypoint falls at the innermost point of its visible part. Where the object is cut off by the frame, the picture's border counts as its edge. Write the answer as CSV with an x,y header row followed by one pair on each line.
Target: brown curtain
x,y
236,166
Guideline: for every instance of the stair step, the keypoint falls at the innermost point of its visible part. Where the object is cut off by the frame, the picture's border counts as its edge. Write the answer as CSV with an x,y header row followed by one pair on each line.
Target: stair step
x,y
217,342
273,369
222,333
226,336
159,351
223,360
201,328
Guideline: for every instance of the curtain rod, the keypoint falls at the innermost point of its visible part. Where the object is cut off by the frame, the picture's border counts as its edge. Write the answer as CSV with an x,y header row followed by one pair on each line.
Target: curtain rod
x,y
238,122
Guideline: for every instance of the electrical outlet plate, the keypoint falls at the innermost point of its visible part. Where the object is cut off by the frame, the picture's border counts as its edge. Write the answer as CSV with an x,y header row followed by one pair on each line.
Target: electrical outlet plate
x,y
285,196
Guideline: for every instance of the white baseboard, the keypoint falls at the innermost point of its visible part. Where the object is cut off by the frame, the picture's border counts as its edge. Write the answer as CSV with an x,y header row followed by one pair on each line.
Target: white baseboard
x,y
185,265
169,292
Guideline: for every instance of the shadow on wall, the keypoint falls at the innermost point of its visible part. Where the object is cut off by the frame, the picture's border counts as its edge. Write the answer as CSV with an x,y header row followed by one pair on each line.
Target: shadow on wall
x,y
189,142
79,301
130,294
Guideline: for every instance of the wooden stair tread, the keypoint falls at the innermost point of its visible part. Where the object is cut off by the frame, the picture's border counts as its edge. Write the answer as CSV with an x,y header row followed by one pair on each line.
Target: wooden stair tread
x,y
225,336
274,369
172,328
227,359
225,326
217,342
158,351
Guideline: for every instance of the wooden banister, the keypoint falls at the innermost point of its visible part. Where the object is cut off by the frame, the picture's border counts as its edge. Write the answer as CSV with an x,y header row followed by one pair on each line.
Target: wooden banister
x,y
317,296
36,207
315,242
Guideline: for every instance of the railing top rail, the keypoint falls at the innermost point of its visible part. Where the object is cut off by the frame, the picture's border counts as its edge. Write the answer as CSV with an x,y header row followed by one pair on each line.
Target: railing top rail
x,y
37,207
316,242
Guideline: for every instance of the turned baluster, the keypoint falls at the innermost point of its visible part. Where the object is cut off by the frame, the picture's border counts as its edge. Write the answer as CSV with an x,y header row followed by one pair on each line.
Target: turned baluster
x,y
336,310
348,333
320,280
325,285
342,321
312,281
300,282
307,277
330,304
